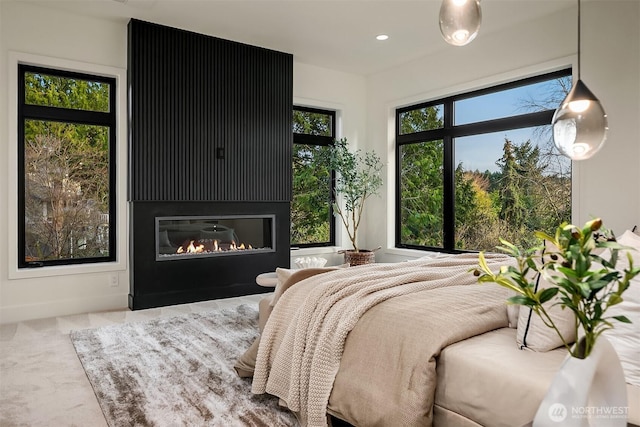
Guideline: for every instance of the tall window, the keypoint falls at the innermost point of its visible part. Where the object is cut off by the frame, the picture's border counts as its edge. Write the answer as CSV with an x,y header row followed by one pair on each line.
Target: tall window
x,y
66,168
479,166
311,213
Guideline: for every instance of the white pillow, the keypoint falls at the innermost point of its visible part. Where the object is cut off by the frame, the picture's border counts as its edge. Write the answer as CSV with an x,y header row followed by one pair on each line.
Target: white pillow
x,y
629,238
625,337
533,334
513,311
284,274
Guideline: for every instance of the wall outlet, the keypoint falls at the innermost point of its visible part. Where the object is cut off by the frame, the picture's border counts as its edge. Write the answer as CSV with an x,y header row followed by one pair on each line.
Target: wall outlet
x,y
113,280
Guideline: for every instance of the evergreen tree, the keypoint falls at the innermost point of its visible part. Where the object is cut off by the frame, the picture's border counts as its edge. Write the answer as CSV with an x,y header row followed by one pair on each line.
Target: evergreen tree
x,y
512,205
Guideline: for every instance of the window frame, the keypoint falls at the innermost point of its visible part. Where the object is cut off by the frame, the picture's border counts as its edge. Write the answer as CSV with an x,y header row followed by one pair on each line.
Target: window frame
x,y
325,141
65,115
448,133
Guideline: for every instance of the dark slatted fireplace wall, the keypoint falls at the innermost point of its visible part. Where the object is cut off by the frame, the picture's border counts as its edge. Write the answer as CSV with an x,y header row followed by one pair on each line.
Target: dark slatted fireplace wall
x,y
210,137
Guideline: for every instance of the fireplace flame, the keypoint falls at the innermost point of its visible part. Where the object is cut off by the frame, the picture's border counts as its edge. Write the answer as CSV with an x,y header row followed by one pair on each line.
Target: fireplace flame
x,y
207,246
192,248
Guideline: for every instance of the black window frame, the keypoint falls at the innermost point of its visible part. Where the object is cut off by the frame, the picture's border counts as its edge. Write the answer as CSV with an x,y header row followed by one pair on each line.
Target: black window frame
x,y
320,140
65,115
447,133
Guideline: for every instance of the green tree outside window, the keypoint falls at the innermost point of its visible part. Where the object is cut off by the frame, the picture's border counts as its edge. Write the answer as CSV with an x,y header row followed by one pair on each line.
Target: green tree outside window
x,y
67,199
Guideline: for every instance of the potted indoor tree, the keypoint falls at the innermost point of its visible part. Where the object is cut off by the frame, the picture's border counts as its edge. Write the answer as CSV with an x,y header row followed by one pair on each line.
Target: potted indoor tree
x,y
357,177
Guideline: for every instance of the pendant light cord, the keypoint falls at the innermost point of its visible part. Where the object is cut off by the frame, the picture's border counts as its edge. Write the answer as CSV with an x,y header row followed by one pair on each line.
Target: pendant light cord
x,y
579,67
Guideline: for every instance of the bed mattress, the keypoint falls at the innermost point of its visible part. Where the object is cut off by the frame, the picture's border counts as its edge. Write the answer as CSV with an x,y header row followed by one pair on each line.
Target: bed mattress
x,y
486,380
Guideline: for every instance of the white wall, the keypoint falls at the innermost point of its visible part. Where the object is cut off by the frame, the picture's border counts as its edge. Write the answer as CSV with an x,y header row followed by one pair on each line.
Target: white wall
x,y
611,68
30,31
607,184
345,93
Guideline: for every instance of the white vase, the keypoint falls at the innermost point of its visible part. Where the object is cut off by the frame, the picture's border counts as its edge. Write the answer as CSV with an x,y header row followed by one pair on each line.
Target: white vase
x,y
586,392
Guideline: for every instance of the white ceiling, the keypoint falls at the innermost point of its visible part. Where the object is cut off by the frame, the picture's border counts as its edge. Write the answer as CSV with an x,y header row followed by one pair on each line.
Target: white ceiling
x,y
336,34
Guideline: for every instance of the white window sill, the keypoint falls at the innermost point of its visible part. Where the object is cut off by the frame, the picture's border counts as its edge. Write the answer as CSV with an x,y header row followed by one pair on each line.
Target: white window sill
x,y
315,251
65,270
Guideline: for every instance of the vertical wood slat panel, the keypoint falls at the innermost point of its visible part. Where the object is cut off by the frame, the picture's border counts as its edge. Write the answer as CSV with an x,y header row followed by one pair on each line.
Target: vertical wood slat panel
x,y
191,94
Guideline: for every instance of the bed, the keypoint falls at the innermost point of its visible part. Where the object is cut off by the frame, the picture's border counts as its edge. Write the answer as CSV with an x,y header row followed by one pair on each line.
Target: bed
x,y
347,342
406,344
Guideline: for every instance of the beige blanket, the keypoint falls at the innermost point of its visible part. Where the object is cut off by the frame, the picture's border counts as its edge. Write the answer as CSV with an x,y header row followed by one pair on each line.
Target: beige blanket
x,y
387,375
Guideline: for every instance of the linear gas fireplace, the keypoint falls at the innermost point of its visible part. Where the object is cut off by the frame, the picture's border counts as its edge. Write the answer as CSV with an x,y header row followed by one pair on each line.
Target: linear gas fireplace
x,y
193,251
186,237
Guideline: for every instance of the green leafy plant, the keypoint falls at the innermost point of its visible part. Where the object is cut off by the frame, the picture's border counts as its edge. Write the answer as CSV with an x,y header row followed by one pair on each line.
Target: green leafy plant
x,y
584,282
357,178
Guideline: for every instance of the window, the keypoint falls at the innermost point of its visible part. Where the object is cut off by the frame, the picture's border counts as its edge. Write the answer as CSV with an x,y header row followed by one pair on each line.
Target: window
x,y
479,166
311,212
66,167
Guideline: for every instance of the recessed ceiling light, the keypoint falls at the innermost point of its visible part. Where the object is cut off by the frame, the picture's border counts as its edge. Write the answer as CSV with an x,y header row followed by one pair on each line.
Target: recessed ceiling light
x,y
382,37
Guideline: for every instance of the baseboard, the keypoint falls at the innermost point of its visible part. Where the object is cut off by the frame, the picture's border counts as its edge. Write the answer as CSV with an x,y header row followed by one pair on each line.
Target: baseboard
x,y
161,299
20,313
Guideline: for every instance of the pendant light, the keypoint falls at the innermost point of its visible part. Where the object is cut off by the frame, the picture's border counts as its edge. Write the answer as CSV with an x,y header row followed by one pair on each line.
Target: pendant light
x,y
460,21
580,123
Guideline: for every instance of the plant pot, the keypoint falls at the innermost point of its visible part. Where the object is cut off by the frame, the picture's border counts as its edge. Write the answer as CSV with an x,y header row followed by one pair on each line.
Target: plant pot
x,y
586,392
359,258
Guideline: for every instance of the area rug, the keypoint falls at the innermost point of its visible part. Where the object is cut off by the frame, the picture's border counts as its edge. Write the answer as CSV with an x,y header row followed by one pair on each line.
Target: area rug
x,y
177,371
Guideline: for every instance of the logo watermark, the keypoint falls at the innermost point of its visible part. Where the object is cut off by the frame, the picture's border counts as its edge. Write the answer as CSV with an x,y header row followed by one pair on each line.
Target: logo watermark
x,y
559,412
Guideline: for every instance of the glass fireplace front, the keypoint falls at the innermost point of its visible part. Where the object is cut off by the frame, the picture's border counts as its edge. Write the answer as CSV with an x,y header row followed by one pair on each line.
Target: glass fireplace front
x,y
186,237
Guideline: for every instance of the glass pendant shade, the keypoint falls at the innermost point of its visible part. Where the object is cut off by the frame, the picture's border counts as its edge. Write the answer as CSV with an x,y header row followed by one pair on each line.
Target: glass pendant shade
x,y
460,21
580,124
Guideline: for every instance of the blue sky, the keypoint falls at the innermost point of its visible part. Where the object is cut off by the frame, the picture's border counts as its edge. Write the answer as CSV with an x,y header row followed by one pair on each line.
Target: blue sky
x,y
481,152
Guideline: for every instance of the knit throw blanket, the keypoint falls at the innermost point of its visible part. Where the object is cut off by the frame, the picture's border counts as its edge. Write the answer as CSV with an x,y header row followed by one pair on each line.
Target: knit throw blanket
x,y
302,344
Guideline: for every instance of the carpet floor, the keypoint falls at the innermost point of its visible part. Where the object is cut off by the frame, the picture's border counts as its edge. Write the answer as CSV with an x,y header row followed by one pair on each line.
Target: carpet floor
x,y
177,371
